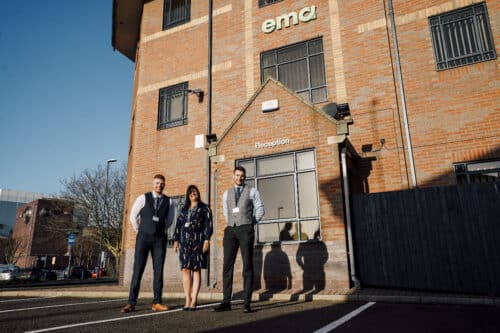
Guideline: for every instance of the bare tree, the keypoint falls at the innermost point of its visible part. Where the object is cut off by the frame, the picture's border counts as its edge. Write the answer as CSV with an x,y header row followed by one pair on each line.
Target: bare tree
x,y
12,249
98,207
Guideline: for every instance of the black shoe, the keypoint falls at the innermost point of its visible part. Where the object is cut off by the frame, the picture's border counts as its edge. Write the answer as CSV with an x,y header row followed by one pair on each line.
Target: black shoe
x,y
186,308
223,307
192,308
247,309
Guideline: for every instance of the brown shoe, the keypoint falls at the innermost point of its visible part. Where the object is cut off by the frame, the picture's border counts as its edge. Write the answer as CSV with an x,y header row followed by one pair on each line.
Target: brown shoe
x,y
159,307
128,308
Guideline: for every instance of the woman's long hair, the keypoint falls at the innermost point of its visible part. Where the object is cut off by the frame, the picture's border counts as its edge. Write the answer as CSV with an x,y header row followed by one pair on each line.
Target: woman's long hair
x,y
187,201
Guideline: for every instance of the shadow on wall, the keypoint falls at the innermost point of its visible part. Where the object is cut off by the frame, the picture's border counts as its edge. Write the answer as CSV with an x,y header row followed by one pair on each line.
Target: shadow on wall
x,y
311,257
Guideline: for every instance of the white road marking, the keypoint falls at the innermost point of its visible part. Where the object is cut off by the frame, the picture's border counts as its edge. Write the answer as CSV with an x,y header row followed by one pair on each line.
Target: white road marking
x,y
330,327
60,305
115,319
26,299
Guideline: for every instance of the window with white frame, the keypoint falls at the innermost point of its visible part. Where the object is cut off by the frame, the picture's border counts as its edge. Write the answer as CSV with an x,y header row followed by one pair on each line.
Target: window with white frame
x,y
462,37
288,187
301,67
176,12
172,106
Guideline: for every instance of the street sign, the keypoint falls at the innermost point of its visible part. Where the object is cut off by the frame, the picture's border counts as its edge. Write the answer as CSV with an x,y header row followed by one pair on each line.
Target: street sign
x,y
71,239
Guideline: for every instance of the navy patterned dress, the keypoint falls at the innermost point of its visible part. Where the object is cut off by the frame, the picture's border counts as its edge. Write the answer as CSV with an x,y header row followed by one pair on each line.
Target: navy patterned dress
x,y
192,228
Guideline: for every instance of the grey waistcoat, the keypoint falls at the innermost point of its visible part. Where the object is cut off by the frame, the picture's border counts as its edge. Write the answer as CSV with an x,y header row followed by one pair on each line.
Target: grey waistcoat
x,y
245,216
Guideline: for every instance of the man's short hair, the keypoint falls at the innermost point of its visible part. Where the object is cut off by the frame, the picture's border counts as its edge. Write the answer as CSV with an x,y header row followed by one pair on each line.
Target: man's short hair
x,y
240,168
159,176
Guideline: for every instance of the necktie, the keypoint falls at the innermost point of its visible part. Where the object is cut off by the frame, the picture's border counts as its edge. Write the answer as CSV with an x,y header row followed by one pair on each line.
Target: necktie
x,y
157,203
237,194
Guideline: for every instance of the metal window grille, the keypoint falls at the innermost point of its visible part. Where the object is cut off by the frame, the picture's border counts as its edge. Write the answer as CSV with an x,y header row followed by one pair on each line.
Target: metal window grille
x,y
263,3
172,106
485,171
300,66
462,37
176,12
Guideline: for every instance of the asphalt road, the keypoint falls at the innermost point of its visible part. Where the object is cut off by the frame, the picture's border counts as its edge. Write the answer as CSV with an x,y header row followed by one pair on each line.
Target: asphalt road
x,y
60,314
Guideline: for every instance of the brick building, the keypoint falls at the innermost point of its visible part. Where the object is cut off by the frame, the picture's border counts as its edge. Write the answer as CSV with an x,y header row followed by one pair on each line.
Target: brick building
x,y
315,99
39,232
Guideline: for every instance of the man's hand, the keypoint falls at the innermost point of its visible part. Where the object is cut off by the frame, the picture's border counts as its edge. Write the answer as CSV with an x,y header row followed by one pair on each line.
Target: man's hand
x,y
176,246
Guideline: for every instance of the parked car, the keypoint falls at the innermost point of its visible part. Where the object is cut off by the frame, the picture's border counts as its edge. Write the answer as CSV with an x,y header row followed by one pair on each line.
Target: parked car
x,y
79,272
8,272
30,274
49,275
102,272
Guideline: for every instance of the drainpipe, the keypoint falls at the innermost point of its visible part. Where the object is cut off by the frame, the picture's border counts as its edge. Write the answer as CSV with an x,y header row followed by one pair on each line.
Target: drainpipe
x,y
209,110
345,182
214,283
402,93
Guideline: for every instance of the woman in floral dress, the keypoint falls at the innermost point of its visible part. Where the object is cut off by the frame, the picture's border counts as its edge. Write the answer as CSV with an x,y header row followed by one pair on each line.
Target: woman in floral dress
x,y
191,238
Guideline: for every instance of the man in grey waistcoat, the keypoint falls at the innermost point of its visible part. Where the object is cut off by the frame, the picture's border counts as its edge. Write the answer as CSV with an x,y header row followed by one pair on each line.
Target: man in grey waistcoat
x,y
239,204
150,218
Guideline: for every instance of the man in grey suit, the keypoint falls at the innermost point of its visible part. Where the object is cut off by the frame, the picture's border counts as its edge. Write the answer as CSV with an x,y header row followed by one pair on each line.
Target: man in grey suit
x,y
239,204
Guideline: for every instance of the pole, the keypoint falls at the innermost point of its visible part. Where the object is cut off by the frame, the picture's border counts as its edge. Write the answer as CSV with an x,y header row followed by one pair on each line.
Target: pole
x,y
209,112
108,162
402,92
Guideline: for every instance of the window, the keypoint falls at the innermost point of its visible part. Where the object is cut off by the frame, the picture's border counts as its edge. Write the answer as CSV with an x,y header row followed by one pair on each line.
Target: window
x,y
178,202
288,187
172,106
462,37
487,171
263,3
301,67
176,12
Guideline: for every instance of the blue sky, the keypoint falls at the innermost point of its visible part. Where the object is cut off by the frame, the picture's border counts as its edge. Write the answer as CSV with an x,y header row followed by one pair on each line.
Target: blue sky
x,y
65,95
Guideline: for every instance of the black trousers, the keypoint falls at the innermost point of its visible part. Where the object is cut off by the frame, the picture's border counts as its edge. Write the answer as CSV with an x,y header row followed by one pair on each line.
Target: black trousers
x,y
144,244
241,237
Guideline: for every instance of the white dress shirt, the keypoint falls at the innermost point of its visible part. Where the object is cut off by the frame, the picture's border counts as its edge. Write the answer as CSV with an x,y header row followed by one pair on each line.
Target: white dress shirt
x,y
135,212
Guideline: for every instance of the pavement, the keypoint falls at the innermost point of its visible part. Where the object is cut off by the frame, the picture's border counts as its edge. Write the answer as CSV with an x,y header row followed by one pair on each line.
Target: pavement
x,y
381,295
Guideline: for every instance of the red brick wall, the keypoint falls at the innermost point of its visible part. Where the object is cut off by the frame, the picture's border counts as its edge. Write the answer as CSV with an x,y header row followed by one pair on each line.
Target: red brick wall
x,y
453,114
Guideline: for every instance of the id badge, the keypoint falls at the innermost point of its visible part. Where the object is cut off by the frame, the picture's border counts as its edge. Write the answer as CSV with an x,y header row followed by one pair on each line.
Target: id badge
x,y
156,219
187,225
236,210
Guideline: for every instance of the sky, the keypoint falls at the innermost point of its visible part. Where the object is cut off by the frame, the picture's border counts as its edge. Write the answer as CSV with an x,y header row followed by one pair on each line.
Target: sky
x,y
65,94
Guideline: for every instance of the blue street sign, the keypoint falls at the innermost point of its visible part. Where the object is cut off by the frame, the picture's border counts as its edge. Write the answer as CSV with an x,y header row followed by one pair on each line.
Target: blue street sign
x,y
71,239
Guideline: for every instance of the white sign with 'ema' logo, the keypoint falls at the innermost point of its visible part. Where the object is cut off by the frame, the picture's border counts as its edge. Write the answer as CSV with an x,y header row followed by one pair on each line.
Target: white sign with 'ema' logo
x,y
272,144
306,14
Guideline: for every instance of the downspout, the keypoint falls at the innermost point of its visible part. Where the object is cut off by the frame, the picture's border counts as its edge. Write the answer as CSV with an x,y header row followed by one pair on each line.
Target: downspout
x,y
402,92
345,182
209,112
214,283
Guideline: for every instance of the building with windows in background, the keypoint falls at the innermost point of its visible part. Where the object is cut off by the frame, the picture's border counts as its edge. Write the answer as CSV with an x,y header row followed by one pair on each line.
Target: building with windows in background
x,y
316,100
10,200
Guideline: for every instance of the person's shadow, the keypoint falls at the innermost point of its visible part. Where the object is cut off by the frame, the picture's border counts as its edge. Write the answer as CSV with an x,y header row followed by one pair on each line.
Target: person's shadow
x,y
285,234
311,257
277,271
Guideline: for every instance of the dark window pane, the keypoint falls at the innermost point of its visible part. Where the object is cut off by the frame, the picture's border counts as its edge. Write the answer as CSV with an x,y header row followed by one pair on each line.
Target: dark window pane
x,y
268,59
300,67
317,71
294,75
292,53
269,72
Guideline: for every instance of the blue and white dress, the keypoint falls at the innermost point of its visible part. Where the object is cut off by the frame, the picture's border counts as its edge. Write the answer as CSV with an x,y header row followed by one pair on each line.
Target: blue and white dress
x,y
192,228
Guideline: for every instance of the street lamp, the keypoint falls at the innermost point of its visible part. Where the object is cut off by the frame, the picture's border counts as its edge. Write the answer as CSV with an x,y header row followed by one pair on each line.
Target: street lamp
x,y
108,162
